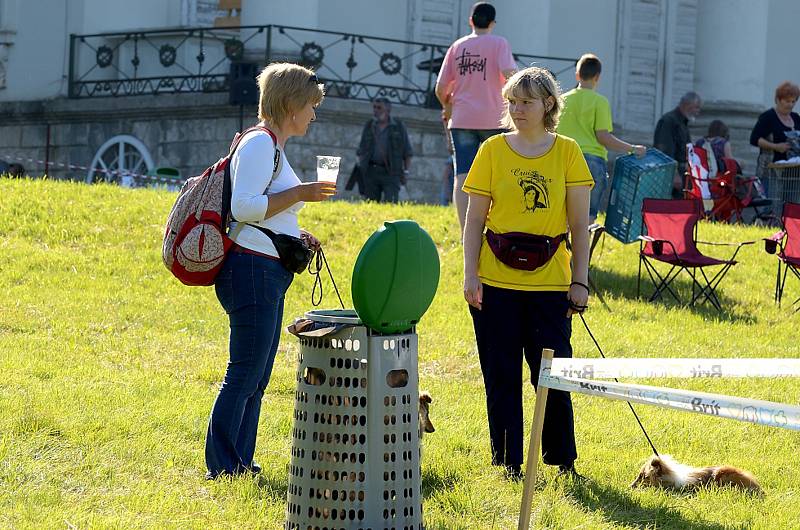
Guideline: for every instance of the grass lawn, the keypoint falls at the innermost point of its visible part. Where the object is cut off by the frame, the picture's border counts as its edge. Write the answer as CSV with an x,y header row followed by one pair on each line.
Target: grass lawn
x,y
109,367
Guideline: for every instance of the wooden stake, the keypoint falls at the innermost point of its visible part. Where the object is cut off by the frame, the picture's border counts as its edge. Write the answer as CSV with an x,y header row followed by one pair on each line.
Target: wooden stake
x,y
535,443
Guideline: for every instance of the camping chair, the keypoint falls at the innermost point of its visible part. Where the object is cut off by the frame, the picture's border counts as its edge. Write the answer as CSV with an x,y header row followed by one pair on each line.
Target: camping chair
x,y
786,245
671,238
748,191
725,193
715,189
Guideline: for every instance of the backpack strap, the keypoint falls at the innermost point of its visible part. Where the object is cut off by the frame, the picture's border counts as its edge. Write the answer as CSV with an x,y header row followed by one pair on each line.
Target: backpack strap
x,y
227,186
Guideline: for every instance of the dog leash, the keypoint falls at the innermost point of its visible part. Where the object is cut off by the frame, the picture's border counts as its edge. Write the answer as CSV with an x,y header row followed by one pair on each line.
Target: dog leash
x,y
315,268
589,331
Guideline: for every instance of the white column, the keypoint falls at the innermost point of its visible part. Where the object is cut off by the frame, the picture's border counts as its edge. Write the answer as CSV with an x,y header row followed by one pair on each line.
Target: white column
x,y
731,50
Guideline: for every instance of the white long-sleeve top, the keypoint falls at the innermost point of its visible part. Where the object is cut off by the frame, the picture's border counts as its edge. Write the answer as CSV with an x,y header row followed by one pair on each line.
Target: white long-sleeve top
x,y
251,171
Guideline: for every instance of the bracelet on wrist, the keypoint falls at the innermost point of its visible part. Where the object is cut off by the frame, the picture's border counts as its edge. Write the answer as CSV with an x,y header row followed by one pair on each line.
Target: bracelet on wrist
x,y
581,284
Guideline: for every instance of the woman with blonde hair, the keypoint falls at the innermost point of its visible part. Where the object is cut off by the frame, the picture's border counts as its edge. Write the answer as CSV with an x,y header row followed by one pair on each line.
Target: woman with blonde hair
x,y
526,188
266,196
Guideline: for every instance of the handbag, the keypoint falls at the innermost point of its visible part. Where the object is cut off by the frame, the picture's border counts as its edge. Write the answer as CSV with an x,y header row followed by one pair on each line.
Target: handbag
x,y
523,251
293,252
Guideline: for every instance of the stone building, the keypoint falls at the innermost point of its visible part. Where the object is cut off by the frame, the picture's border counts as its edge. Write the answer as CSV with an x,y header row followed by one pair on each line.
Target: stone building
x,y
103,84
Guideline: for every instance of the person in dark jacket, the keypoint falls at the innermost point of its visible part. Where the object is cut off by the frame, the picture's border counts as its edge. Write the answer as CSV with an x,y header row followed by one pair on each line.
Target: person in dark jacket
x,y
769,132
672,135
384,154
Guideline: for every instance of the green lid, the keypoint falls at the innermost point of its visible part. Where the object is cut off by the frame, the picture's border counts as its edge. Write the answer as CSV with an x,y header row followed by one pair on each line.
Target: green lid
x,y
395,277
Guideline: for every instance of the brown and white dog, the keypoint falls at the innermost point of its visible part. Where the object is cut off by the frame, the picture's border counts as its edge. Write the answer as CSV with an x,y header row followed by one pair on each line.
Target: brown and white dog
x,y
664,472
425,424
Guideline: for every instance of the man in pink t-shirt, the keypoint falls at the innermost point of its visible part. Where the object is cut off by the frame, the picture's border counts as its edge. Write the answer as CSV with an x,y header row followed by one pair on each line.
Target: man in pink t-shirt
x,y
472,75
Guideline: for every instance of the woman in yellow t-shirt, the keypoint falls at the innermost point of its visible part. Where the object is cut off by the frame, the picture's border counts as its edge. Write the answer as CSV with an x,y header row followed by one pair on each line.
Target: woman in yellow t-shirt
x,y
535,182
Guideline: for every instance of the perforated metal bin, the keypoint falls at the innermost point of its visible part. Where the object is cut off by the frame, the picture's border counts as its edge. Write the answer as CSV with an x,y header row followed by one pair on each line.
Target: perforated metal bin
x,y
355,437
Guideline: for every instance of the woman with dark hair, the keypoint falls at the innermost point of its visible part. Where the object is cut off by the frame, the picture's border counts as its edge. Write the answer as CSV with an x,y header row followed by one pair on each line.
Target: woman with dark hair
x,y
719,138
717,141
769,132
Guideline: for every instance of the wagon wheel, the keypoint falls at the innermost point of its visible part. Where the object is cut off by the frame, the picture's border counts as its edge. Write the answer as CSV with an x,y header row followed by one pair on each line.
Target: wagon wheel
x,y
119,160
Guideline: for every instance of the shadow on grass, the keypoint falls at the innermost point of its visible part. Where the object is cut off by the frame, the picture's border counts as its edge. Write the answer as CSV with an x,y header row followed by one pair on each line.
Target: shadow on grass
x,y
619,507
274,484
435,480
624,286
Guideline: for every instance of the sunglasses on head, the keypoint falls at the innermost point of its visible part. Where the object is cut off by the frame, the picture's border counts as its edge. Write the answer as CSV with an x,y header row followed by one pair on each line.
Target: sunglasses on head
x,y
313,79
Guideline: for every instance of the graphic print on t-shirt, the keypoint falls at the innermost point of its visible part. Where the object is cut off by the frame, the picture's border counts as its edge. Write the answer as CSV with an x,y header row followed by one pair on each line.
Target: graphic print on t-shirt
x,y
468,63
534,189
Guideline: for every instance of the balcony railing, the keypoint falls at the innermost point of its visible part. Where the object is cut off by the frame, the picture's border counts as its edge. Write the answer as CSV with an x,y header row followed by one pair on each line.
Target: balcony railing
x,y
192,60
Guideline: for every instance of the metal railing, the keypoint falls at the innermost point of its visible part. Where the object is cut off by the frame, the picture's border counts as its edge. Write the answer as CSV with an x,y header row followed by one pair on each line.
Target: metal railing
x,y
190,60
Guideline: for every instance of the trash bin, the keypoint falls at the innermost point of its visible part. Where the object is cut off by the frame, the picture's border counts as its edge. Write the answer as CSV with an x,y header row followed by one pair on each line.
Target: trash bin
x,y
355,458
168,177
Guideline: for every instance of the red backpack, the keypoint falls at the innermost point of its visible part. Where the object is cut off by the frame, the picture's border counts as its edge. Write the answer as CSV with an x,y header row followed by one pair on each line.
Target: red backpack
x,y
196,240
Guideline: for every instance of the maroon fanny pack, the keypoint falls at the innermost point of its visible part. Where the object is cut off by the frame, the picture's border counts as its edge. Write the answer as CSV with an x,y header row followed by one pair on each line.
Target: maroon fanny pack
x,y
523,251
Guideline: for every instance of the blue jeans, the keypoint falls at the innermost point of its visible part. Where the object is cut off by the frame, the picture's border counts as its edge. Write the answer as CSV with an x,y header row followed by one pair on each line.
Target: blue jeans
x,y
251,290
466,143
598,167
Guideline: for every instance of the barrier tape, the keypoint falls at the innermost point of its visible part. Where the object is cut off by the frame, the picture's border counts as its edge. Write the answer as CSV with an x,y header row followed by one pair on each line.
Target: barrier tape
x,y
690,368
749,410
110,172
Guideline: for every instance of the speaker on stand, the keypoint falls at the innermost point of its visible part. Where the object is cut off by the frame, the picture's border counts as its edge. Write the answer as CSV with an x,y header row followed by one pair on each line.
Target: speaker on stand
x,y
242,87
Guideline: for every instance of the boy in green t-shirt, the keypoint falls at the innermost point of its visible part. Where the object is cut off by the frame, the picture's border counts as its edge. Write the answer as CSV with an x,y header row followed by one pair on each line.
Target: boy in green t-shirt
x,y
586,118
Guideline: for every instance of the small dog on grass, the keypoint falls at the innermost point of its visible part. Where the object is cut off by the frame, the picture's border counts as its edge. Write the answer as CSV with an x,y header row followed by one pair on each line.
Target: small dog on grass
x,y
664,472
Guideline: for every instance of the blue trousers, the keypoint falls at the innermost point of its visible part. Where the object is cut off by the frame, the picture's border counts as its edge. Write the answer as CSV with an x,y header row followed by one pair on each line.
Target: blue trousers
x,y
251,289
511,324
598,167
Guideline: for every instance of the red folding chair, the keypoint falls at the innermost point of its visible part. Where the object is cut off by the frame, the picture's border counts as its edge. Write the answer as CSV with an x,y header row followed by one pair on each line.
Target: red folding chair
x,y
724,192
672,239
786,245
714,187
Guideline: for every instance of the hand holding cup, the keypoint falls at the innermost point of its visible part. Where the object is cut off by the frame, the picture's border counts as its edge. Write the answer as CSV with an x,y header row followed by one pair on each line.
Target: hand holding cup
x,y
317,191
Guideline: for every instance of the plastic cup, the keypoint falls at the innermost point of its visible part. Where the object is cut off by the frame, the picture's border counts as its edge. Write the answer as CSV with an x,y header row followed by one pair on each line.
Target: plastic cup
x,y
328,168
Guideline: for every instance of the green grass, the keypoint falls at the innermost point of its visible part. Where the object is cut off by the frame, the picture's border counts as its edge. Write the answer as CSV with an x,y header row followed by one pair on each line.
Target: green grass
x,y
109,367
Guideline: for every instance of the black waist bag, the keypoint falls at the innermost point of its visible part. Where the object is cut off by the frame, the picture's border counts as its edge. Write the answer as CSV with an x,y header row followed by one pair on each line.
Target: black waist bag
x,y
293,252
523,251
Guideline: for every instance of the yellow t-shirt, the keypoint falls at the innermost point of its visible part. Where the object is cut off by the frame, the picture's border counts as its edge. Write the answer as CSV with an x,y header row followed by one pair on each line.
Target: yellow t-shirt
x,y
528,195
586,111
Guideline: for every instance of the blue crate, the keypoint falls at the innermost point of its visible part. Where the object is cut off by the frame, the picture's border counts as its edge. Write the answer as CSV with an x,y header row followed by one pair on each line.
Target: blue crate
x,y
636,179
